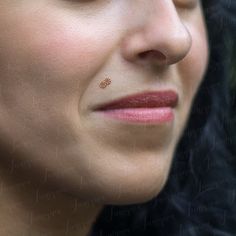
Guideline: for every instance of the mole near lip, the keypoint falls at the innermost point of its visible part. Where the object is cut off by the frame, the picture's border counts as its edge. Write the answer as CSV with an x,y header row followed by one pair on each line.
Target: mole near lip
x,y
150,99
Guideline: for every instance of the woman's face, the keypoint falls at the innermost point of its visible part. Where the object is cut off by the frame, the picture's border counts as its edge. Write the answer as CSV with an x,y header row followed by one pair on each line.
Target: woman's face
x,y
54,57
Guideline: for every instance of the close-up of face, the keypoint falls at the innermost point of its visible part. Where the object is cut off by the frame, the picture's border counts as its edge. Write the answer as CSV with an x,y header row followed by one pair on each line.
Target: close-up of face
x,y
61,60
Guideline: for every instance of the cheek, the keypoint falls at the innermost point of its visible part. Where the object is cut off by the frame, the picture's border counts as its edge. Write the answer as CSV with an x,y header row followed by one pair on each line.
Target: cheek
x,y
191,71
56,53
193,67
51,56
69,48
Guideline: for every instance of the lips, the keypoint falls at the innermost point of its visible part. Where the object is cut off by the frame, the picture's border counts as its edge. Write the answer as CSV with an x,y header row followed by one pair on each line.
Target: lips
x,y
153,99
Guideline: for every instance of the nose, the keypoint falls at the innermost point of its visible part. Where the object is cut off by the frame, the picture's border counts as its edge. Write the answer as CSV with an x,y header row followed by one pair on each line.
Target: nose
x,y
161,38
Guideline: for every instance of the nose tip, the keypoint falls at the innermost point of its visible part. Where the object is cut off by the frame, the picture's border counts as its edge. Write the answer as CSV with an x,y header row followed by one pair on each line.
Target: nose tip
x,y
167,54
163,43
176,47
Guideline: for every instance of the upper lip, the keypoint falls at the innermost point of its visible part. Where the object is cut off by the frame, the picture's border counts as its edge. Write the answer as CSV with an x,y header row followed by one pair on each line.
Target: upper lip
x,y
166,98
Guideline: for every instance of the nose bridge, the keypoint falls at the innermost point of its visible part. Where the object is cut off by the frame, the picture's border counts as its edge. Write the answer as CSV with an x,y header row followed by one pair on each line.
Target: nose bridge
x,y
162,30
163,20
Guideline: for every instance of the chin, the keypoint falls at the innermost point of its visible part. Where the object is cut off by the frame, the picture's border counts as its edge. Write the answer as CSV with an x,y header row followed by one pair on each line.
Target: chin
x,y
141,196
138,188
133,191
139,184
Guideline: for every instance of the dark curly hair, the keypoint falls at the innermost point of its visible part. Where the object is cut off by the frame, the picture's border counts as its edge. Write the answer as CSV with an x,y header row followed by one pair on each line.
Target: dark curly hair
x,y
199,196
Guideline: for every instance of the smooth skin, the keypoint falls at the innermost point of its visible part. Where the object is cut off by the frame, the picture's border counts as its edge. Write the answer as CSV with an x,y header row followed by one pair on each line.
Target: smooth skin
x,y
61,162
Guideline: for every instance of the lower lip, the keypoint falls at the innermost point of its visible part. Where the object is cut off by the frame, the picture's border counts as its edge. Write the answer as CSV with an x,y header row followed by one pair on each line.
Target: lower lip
x,y
142,115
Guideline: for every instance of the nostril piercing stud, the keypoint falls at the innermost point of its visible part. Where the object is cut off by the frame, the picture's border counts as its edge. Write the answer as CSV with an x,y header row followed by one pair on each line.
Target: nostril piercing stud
x,y
103,84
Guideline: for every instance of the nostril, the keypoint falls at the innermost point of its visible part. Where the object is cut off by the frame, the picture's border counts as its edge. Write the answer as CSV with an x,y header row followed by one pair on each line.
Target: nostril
x,y
152,55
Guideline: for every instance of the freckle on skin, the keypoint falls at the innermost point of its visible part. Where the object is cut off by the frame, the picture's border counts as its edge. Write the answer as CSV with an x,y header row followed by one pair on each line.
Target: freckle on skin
x,y
103,84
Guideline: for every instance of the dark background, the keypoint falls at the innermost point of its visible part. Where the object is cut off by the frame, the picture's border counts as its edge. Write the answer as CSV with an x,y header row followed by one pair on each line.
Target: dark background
x,y
229,22
232,89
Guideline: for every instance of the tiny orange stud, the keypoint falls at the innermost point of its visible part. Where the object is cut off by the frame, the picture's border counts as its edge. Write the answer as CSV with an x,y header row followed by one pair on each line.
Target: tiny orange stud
x,y
103,84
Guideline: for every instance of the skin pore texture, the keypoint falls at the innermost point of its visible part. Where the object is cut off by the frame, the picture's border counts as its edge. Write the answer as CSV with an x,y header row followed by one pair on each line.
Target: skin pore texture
x,y
60,161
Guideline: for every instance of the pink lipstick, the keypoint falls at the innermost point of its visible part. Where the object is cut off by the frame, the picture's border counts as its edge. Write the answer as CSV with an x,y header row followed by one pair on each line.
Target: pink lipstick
x,y
148,107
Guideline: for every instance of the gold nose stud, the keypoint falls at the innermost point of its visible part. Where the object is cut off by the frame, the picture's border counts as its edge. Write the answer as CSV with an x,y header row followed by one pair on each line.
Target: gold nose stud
x,y
103,84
